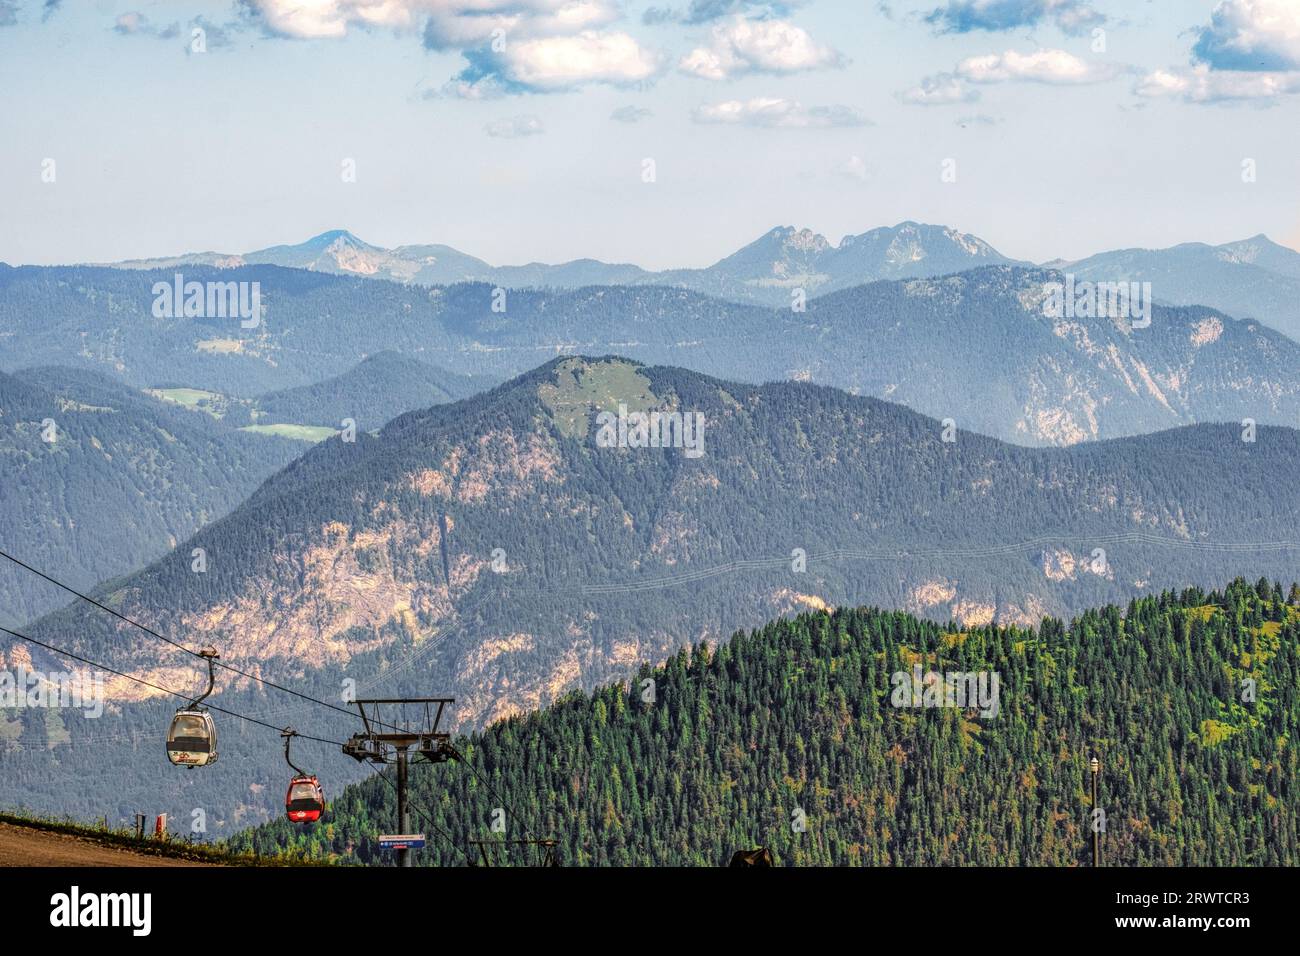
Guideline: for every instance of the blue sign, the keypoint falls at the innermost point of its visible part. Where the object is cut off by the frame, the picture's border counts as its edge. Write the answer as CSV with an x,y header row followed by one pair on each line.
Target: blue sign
x,y
401,841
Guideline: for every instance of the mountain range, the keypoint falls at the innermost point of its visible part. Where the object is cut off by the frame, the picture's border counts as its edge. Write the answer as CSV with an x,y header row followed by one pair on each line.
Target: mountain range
x,y
498,551
765,271
977,347
1251,278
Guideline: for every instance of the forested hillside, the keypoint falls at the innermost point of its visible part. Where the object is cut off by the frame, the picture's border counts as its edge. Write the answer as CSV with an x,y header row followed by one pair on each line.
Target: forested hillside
x,y
98,479
379,389
799,716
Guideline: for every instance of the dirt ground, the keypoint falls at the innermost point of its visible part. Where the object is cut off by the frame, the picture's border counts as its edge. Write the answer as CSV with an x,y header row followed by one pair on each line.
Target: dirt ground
x,y
26,846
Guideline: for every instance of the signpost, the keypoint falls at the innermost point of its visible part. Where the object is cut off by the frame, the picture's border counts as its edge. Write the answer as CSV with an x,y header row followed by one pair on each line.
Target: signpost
x,y
401,841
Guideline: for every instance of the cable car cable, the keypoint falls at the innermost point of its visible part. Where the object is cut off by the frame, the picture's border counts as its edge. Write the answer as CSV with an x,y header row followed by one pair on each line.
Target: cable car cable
x,y
280,730
231,668
165,690
168,640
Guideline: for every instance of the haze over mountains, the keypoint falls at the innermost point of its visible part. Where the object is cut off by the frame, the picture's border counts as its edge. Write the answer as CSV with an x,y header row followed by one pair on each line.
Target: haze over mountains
x,y
1250,278
975,347
765,271
494,550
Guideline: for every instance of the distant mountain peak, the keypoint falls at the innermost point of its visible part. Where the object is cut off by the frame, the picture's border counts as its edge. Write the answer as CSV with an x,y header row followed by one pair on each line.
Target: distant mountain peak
x,y
923,231
335,235
1252,250
789,238
803,240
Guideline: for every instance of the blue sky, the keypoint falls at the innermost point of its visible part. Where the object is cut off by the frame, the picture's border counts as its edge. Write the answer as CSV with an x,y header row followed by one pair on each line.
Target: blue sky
x,y
517,130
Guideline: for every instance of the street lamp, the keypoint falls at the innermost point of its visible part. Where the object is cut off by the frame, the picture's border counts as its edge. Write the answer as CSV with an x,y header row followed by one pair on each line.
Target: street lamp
x,y
1094,766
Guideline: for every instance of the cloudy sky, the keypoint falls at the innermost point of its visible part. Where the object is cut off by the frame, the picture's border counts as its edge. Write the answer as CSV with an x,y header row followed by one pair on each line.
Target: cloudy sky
x,y
665,133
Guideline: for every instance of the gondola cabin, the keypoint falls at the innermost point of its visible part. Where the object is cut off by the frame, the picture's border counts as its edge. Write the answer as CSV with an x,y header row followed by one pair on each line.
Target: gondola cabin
x,y
305,801
192,738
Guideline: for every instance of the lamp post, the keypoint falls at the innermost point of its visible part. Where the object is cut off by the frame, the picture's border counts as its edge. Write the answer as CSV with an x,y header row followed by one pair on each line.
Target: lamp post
x,y
1094,765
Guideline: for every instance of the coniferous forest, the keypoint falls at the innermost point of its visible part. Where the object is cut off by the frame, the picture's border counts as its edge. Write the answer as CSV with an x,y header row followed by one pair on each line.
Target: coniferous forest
x,y
788,737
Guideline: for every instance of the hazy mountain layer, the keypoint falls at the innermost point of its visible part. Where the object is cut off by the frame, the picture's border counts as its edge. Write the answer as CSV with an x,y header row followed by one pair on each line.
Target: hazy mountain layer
x,y
765,271
975,347
1252,278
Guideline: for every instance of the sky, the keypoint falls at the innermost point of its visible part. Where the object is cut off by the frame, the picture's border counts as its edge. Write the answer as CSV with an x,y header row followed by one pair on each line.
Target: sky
x,y
665,133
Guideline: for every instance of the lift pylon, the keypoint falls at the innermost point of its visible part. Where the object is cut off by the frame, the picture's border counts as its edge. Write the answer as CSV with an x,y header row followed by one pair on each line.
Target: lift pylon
x,y
400,737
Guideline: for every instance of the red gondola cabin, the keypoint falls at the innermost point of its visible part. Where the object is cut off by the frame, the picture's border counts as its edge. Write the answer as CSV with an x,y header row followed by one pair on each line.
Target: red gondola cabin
x,y
305,801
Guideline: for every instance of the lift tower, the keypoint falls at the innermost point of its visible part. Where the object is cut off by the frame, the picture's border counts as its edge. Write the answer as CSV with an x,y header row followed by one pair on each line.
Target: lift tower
x,y
392,735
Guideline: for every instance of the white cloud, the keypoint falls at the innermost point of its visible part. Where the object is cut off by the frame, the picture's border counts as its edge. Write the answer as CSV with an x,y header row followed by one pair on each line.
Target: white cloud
x,y
487,88
1040,66
456,25
330,19
939,90
774,112
512,46
741,46
130,22
1054,67
1204,85
1249,51
447,24
1251,35
996,16
515,127
134,23
555,63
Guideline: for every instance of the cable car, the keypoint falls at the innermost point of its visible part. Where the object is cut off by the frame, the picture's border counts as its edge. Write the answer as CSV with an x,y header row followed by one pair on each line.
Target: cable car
x,y
192,736
304,801
192,739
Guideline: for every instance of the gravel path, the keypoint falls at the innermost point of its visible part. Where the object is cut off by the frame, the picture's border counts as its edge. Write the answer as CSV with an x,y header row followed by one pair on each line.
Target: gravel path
x,y
27,846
